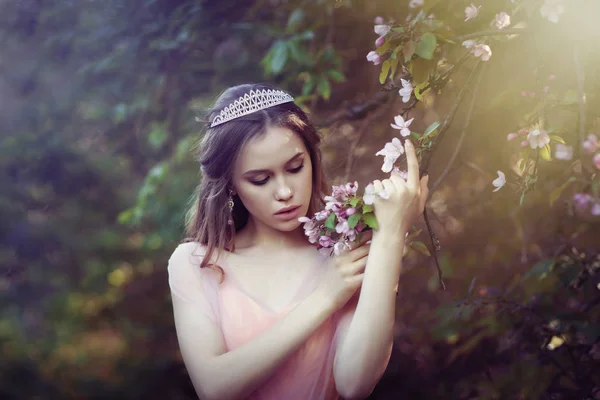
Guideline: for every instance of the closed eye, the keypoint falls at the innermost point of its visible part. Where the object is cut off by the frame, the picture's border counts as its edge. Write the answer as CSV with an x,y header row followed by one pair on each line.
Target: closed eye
x,y
293,171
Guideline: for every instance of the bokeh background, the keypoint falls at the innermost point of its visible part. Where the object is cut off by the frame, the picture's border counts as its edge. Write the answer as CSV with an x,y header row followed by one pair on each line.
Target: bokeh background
x,y
98,107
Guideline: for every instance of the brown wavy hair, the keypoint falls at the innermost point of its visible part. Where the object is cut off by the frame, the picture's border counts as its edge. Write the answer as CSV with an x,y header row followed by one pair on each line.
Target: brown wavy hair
x,y
217,150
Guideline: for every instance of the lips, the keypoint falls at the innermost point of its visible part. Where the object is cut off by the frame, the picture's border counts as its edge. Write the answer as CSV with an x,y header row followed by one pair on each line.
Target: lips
x,y
286,209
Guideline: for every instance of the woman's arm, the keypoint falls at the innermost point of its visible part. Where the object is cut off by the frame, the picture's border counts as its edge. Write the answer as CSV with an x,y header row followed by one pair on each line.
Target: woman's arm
x,y
366,332
217,374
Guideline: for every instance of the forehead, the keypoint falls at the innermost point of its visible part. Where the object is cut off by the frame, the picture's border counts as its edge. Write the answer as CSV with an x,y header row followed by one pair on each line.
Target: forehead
x,y
270,150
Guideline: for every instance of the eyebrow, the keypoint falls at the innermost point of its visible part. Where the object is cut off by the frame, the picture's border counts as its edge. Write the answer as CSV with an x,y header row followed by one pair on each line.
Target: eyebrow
x,y
259,171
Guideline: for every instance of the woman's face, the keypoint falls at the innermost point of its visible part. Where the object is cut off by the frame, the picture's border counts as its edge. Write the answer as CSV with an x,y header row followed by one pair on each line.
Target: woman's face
x,y
274,171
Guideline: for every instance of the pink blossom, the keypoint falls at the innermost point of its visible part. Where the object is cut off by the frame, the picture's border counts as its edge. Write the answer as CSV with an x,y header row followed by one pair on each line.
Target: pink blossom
x,y
563,152
499,181
379,20
402,125
373,57
342,226
350,211
406,90
502,20
351,188
546,89
469,43
523,93
512,136
340,247
322,215
350,235
596,160
382,30
391,152
590,144
325,241
538,138
523,131
596,209
581,201
524,143
552,9
380,41
471,11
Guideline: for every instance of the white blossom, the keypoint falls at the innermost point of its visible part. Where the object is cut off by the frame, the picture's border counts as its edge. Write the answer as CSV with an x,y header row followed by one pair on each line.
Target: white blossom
x,y
552,9
499,181
406,90
471,11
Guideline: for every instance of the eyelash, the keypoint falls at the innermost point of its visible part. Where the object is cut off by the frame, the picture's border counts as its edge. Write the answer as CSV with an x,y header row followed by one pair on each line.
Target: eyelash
x,y
294,171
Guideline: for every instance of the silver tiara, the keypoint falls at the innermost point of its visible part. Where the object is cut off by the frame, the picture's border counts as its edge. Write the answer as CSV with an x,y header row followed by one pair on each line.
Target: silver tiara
x,y
251,102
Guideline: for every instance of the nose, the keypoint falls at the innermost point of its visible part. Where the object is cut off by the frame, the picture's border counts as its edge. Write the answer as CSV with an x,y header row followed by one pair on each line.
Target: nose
x,y
284,192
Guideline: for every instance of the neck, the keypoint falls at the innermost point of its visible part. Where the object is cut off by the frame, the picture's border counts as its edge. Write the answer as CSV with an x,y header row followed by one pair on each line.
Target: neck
x,y
255,236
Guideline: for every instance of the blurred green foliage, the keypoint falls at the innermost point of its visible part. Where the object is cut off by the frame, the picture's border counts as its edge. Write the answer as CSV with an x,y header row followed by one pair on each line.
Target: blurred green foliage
x,y
99,100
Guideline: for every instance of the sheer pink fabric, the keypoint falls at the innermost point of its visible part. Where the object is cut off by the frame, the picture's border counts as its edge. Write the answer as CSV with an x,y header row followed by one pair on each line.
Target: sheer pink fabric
x,y
307,374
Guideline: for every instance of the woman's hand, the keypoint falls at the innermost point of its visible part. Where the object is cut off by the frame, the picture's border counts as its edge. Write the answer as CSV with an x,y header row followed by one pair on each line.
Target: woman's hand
x,y
406,200
345,273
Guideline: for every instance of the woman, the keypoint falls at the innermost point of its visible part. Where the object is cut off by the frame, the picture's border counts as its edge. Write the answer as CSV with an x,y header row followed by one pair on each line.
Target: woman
x,y
259,312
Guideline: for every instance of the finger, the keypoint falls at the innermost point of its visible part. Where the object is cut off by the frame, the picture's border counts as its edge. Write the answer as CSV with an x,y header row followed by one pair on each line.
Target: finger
x,y
377,186
412,165
360,252
388,186
357,267
355,281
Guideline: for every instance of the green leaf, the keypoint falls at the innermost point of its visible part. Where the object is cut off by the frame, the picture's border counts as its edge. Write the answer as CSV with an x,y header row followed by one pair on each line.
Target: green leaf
x,y
426,46
279,57
294,20
309,85
324,88
367,208
556,192
385,69
353,220
557,139
420,247
414,234
330,222
394,63
545,153
398,29
431,128
409,50
419,92
158,135
336,76
541,269
354,201
370,220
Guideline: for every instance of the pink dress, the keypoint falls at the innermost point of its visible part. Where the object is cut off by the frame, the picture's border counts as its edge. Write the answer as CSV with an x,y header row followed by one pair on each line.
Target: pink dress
x,y
307,374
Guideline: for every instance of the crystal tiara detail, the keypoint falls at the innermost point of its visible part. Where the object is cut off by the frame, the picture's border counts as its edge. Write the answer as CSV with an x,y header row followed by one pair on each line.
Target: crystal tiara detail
x,y
251,102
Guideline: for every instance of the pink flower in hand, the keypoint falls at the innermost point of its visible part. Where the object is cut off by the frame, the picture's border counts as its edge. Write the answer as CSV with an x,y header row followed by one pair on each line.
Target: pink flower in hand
x,y
325,241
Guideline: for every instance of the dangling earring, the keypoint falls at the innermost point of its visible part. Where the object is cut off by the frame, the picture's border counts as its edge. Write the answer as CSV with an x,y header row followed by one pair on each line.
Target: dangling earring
x,y
230,205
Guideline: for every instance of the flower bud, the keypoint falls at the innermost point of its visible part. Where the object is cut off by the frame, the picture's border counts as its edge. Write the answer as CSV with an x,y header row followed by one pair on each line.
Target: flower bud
x,y
380,41
525,143
512,136
379,20
596,160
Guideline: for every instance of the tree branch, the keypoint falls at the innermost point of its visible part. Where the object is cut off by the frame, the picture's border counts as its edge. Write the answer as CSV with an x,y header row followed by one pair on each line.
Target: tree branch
x,y
491,32
462,135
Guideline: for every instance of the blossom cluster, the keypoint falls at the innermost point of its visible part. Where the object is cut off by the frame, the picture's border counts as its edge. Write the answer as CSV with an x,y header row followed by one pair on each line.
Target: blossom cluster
x,y
345,216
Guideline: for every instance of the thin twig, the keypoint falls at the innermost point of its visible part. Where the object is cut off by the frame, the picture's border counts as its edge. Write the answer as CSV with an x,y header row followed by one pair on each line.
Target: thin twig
x,y
491,32
462,135
579,72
